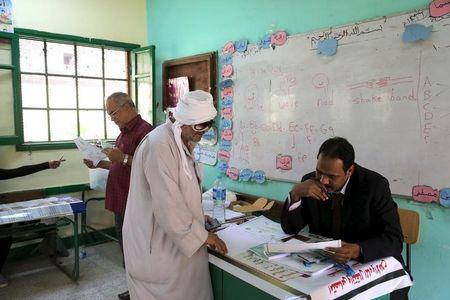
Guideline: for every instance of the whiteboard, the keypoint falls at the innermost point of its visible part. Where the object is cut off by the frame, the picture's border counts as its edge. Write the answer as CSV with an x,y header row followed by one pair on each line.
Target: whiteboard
x,y
389,98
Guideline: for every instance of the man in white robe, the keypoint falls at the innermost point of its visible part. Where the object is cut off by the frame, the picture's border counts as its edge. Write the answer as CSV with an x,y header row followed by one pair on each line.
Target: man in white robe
x,y
164,236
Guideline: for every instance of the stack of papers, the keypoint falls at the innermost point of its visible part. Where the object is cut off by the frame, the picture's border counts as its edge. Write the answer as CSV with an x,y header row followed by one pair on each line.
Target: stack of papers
x,y
301,244
39,209
237,239
261,251
297,263
313,256
229,214
240,238
307,255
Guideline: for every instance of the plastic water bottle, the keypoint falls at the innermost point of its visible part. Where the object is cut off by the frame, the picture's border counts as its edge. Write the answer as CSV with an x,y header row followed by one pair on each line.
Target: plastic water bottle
x,y
219,195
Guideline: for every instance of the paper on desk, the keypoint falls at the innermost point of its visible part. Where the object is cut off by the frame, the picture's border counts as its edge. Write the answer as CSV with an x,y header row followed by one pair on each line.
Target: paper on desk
x,y
299,246
312,268
36,209
265,229
229,214
90,151
273,269
240,238
237,239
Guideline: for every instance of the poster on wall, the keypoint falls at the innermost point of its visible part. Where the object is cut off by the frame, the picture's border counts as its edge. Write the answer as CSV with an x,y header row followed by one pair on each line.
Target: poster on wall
x,y
6,23
176,88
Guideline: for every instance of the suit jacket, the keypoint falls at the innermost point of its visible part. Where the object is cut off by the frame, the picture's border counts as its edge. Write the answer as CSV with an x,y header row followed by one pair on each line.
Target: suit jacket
x,y
369,216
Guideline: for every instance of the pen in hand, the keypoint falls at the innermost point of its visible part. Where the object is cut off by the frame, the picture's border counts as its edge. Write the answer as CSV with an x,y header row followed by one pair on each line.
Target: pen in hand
x,y
53,164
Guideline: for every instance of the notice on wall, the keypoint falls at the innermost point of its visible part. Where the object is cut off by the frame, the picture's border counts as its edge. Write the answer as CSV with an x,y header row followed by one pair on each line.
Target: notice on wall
x,y
6,21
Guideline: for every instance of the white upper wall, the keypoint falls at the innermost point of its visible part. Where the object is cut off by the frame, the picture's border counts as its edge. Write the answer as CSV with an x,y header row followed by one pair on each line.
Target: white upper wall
x,y
118,20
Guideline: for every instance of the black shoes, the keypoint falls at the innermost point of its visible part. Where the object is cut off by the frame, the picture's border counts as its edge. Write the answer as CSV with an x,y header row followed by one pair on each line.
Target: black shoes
x,y
4,281
124,296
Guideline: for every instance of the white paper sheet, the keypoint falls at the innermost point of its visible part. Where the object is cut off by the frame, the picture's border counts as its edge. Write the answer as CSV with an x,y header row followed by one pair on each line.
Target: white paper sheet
x,y
238,240
229,214
299,246
90,151
264,229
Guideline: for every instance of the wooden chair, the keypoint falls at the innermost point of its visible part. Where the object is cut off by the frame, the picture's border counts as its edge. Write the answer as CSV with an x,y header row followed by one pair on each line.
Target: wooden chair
x,y
410,222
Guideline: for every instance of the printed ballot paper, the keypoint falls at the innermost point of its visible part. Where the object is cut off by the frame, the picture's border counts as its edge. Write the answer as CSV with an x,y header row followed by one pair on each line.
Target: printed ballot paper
x,y
90,151
297,245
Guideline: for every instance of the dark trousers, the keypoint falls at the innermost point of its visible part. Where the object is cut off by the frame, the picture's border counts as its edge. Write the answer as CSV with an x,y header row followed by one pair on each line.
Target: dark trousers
x,y
5,246
118,217
401,294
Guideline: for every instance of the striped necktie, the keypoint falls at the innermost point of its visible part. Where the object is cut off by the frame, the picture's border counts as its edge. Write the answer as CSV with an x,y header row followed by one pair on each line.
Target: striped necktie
x,y
337,199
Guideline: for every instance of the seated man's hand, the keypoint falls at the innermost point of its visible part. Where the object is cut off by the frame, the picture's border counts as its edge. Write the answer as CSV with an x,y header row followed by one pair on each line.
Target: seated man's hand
x,y
346,252
215,243
309,188
114,154
88,163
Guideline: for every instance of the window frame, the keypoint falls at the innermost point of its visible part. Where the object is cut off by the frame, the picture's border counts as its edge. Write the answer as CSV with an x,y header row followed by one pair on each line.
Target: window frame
x,y
136,75
15,70
56,37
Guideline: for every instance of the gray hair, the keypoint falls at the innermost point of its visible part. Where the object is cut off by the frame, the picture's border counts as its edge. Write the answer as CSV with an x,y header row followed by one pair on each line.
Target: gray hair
x,y
121,99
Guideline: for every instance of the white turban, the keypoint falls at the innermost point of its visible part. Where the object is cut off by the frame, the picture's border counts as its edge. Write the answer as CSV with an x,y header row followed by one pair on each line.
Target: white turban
x,y
194,107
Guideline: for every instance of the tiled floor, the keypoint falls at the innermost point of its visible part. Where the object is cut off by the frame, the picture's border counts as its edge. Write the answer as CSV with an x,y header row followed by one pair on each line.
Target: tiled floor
x,y
101,277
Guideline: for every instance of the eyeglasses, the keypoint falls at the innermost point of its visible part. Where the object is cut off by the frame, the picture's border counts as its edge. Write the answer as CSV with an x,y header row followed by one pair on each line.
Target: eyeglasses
x,y
113,114
202,127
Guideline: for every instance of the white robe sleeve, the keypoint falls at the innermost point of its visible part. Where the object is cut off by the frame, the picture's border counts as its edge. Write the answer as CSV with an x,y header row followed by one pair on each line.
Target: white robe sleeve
x,y
168,201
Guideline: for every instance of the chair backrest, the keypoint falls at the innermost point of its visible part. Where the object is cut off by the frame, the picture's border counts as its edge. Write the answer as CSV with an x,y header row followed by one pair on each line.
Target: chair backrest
x,y
410,222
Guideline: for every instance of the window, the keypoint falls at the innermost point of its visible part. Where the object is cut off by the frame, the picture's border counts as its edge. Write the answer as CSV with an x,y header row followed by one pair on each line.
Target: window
x,y
143,66
63,86
8,92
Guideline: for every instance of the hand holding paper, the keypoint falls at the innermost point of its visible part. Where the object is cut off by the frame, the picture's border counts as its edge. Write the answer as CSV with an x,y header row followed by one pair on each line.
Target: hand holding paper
x,y
299,246
346,252
106,145
114,154
89,151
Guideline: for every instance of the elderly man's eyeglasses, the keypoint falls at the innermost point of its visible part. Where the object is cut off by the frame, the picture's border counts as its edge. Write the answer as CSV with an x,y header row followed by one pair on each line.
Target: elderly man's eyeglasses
x,y
202,127
113,114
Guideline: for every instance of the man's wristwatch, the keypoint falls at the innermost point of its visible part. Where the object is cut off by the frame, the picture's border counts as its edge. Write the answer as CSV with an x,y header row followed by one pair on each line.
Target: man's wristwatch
x,y
125,160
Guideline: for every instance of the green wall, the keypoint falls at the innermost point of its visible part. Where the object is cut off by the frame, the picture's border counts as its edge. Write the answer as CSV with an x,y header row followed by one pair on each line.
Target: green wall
x,y
181,28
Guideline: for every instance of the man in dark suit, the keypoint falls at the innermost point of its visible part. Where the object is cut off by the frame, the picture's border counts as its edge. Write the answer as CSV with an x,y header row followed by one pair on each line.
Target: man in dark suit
x,y
345,201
